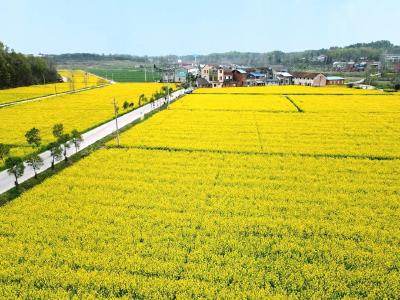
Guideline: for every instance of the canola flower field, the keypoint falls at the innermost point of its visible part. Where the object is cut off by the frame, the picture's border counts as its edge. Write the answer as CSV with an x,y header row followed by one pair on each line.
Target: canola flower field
x,y
81,80
222,200
79,111
290,90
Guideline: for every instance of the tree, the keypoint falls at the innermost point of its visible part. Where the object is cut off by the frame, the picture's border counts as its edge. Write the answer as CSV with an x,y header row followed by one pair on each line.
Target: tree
x,y
33,137
4,151
126,105
64,140
76,139
58,130
17,69
141,99
55,152
16,167
396,83
36,162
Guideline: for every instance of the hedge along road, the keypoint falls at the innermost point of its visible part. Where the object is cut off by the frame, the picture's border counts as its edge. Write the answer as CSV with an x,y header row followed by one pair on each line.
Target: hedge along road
x,y
7,181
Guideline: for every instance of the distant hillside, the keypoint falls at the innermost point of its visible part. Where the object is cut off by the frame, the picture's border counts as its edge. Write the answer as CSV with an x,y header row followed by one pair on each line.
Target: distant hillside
x,y
300,60
356,52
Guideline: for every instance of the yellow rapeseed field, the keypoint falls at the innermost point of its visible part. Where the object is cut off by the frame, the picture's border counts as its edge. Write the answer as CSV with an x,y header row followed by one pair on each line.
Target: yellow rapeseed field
x,y
81,80
287,89
218,198
76,111
331,131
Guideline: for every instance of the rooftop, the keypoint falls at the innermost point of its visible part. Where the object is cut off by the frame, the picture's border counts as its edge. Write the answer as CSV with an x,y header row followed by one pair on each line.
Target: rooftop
x,y
305,75
334,78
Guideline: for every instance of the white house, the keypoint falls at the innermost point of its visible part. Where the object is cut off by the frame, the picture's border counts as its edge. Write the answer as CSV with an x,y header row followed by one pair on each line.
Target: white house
x,y
284,78
309,79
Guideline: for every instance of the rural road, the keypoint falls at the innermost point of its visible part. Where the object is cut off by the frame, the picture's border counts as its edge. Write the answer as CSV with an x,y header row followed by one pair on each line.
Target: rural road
x,y
89,138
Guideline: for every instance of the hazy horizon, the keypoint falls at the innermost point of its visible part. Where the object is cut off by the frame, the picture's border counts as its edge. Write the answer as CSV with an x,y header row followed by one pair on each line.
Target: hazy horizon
x,y
179,28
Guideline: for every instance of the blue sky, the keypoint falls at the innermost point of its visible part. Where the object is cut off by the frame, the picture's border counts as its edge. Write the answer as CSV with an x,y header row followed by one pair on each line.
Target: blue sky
x,y
156,27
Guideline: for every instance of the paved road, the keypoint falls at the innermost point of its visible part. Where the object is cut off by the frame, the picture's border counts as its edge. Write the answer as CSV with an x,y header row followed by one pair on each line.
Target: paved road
x,y
89,138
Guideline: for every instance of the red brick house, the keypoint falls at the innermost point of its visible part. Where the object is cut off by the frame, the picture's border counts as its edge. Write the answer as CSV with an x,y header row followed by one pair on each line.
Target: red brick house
x,y
240,76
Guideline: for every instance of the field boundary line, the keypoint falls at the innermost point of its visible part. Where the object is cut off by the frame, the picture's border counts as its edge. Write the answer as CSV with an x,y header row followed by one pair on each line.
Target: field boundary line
x,y
220,151
260,141
236,110
299,109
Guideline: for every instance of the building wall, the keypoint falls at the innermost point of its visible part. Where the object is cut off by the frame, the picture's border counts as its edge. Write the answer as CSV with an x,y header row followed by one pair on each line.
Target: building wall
x,y
220,75
240,78
319,80
205,72
302,81
335,82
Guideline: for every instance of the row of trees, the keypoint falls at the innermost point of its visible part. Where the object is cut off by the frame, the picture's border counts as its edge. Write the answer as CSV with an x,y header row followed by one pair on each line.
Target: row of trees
x,y
58,150
17,69
143,99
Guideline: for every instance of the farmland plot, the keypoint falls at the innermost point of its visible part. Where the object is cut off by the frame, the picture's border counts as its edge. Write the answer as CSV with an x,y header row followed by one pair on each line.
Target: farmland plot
x,y
217,200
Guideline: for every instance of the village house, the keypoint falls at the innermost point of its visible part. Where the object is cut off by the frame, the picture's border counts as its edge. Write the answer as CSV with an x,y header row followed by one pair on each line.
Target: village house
x,y
256,78
225,76
334,80
309,79
192,69
202,83
206,70
180,75
240,76
283,78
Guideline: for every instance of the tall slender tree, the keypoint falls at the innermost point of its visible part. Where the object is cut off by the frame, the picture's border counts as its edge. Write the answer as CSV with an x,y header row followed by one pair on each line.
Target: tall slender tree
x,y
76,139
55,152
64,140
16,167
35,162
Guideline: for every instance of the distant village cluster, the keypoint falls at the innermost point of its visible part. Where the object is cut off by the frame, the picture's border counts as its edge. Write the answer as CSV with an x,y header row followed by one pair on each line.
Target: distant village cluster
x,y
217,76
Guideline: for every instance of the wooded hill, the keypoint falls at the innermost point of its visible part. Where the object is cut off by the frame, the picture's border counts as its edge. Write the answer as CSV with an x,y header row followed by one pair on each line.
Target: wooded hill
x,y
17,69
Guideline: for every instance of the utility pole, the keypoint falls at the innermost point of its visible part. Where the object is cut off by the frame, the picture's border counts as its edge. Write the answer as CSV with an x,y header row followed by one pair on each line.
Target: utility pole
x,y
86,79
168,93
145,74
116,121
